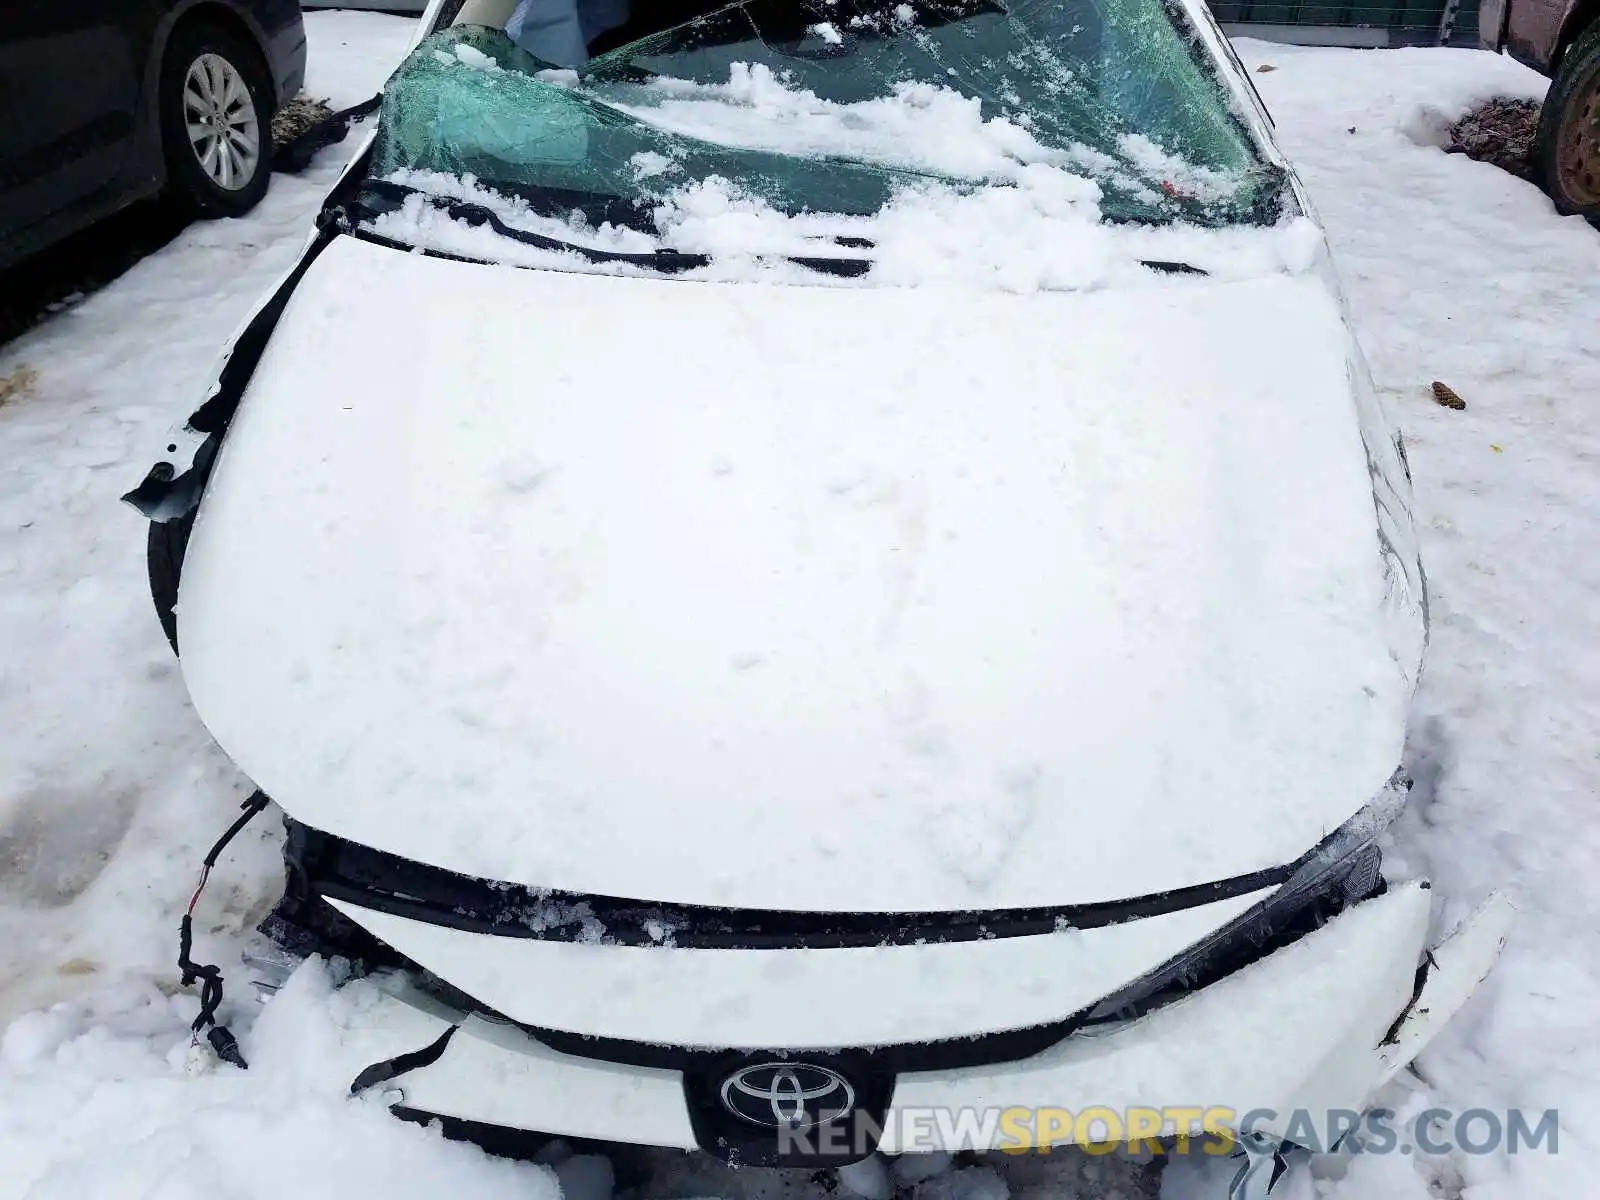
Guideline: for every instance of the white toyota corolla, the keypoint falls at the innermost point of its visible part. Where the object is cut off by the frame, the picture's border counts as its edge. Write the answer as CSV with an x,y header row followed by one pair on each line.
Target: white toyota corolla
x,y
825,579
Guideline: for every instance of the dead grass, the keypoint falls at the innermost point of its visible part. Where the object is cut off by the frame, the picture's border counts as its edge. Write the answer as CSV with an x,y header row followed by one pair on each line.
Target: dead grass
x,y
296,116
1501,132
17,384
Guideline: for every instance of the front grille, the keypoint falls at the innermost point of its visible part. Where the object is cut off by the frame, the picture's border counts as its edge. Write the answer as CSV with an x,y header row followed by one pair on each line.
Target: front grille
x,y
321,866
303,923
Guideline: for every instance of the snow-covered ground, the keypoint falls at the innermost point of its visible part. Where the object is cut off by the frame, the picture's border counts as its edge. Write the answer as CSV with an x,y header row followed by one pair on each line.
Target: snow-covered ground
x,y
110,790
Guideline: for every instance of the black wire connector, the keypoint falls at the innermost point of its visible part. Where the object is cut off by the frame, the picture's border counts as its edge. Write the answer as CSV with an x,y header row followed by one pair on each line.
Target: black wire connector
x,y
210,977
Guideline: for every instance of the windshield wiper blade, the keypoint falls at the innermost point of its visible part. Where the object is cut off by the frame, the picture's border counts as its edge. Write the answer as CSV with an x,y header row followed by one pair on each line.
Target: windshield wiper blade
x,y
844,268
473,214
470,213
1172,267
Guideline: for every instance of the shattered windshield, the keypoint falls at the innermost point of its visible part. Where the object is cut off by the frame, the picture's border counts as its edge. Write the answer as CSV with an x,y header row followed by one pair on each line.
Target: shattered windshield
x,y
829,107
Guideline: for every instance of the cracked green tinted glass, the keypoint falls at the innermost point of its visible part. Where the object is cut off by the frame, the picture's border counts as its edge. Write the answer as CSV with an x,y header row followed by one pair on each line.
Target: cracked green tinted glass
x,y
1114,84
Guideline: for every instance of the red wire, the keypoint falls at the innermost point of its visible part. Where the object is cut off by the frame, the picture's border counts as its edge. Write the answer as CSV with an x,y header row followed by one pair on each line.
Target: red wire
x,y
199,887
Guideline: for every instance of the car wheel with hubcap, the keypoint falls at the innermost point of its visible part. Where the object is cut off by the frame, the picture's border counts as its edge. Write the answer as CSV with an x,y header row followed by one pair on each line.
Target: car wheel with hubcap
x,y
1567,151
216,121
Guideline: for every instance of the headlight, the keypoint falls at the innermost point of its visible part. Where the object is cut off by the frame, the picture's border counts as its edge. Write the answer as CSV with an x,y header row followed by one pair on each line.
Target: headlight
x,y
1341,871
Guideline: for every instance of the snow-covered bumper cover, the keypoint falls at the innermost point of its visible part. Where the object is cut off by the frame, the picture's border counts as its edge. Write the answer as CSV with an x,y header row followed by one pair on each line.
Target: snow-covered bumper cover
x,y
1318,1025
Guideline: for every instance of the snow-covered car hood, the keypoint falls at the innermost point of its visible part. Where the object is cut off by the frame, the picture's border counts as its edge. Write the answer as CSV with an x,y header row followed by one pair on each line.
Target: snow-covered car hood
x,y
818,598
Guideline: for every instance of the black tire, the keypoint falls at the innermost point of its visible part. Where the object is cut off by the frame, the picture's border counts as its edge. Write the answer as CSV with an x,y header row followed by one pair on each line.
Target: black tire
x,y
1567,148
164,550
189,185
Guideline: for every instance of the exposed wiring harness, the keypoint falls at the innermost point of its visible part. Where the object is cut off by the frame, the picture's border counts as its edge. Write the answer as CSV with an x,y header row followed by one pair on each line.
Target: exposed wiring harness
x,y
208,976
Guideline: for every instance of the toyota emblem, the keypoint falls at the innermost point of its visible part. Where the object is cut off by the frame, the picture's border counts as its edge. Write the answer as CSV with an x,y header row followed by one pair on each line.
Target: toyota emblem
x,y
787,1095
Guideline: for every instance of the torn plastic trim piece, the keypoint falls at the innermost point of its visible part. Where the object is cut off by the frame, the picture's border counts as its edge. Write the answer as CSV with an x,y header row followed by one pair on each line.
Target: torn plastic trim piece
x,y
1450,973
1344,869
1266,1167
1425,968
166,493
401,1064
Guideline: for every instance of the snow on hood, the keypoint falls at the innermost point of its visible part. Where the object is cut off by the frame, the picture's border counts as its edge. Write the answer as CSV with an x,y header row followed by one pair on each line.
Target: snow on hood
x,y
1042,232
804,598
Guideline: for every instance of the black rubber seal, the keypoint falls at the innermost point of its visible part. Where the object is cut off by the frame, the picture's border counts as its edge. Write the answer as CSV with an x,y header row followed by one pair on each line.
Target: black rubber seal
x,y
360,875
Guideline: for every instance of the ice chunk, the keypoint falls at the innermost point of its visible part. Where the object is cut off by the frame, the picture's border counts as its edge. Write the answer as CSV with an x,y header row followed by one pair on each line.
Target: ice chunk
x,y
868,1179
971,1183
914,1168
586,1177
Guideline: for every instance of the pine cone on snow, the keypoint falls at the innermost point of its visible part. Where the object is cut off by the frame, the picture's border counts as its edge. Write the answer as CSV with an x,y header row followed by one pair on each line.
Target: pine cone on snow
x,y
1446,396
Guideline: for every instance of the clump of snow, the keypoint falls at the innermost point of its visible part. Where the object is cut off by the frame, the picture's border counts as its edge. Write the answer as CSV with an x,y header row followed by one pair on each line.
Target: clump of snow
x,y
903,16
476,59
1044,232
95,1102
912,1169
35,1036
662,933
715,216
1174,173
918,126
868,1179
466,56
546,914
585,1177
647,164
421,223
419,218
425,226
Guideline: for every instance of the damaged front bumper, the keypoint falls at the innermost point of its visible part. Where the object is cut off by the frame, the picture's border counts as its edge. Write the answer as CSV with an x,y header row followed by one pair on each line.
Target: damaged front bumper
x,y
1314,1027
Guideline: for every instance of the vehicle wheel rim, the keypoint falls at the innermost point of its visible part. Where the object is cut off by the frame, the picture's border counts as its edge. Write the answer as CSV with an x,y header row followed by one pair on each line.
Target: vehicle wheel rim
x,y
1578,156
220,115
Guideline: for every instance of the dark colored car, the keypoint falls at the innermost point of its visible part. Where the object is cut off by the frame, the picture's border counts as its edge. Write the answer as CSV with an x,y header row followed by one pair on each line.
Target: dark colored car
x,y
105,102
1561,39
